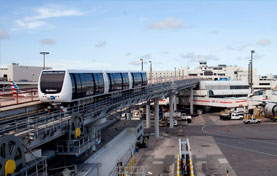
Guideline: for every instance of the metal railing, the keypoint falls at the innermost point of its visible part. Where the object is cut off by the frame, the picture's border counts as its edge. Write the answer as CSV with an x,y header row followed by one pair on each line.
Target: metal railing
x,y
77,146
36,167
24,96
93,109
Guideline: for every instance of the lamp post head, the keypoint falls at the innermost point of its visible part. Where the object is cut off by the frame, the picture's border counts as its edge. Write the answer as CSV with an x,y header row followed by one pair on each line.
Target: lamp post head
x,y
44,52
252,51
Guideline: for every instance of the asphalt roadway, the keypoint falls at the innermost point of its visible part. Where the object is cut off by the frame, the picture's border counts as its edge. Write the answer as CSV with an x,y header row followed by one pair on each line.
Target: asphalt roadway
x,y
217,146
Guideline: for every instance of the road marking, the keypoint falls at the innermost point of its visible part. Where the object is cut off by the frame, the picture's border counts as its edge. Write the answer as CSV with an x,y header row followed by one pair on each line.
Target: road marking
x,y
241,142
236,137
172,168
268,148
157,162
222,161
255,151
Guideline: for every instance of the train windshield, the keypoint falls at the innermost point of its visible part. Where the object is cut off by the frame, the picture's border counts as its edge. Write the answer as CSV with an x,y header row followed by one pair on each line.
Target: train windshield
x,y
51,82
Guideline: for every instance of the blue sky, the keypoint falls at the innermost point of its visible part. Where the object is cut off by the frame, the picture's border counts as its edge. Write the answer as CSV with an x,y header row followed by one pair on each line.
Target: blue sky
x,y
115,34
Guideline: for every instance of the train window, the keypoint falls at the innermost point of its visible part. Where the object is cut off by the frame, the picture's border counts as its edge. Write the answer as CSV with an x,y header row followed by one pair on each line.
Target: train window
x,y
87,84
99,83
79,93
144,79
51,82
125,79
73,83
115,81
137,80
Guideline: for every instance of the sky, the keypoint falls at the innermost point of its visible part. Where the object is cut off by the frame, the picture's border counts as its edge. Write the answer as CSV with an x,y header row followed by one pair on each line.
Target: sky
x,y
116,34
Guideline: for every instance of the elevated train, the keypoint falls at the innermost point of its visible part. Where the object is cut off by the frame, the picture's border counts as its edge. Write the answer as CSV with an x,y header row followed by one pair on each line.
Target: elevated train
x,y
69,86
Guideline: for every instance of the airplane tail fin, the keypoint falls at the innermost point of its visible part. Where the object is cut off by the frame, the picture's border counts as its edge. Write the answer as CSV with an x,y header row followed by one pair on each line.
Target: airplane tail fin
x,y
15,88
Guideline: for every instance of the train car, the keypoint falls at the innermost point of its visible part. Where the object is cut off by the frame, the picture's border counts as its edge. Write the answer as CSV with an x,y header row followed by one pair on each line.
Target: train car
x,y
66,86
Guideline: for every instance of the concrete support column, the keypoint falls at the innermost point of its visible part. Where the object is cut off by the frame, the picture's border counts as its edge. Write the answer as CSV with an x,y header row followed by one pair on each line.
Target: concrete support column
x,y
171,110
191,100
129,115
148,115
175,102
157,130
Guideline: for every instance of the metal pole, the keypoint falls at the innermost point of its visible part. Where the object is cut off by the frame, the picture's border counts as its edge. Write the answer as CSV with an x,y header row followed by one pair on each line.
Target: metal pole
x,y
171,111
43,61
44,53
150,70
157,131
148,115
191,100
141,64
0,55
175,71
252,52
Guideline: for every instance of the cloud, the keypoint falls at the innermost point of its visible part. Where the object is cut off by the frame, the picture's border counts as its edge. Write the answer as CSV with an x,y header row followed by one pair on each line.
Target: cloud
x,y
165,52
255,57
128,54
214,32
145,58
4,34
44,13
192,57
38,20
48,41
263,42
143,19
31,25
168,23
238,48
100,44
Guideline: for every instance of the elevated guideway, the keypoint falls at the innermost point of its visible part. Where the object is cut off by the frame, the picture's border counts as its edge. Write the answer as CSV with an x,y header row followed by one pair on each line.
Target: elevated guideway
x,y
76,124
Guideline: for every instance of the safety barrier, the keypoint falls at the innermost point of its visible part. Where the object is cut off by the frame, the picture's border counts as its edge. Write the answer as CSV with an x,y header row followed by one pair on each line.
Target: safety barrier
x,y
186,164
24,96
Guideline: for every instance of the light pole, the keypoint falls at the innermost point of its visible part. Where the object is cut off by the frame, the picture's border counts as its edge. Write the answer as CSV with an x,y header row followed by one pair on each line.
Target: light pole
x,y
175,71
150,70
44,53
251,65
141,64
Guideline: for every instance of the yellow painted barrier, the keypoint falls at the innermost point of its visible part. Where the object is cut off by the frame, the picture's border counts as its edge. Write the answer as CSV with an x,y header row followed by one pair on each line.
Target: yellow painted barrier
x,y
178,165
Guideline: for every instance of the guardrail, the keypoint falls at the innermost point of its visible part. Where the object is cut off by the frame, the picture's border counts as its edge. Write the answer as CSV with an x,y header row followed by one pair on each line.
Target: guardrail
x,y
24,96
39,125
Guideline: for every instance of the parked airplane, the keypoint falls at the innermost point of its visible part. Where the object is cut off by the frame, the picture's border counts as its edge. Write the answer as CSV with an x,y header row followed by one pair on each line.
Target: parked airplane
x,y
16,91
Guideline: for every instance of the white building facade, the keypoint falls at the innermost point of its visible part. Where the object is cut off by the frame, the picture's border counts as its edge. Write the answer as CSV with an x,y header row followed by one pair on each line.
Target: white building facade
x,y
16,72
220,72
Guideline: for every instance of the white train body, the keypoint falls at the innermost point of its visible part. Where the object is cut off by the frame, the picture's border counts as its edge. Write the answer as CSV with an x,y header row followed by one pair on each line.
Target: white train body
x,y
65,86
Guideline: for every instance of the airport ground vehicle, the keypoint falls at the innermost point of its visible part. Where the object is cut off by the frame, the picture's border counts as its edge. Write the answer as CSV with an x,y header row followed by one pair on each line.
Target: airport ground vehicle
x,y
225,115
186,117
67,86
237,116
251,120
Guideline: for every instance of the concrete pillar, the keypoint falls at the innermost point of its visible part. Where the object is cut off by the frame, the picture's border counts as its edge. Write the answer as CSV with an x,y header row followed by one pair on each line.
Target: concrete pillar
x,y
157,130
171,111
148,115
175,102
191,100
129,115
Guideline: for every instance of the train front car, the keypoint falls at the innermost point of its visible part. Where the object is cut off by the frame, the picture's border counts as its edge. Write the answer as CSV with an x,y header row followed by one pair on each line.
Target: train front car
x,y
55,86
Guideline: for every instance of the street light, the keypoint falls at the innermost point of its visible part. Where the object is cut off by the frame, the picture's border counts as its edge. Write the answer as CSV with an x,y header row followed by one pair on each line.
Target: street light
x,y
44,53
150,70
141,64
175,71
251,70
